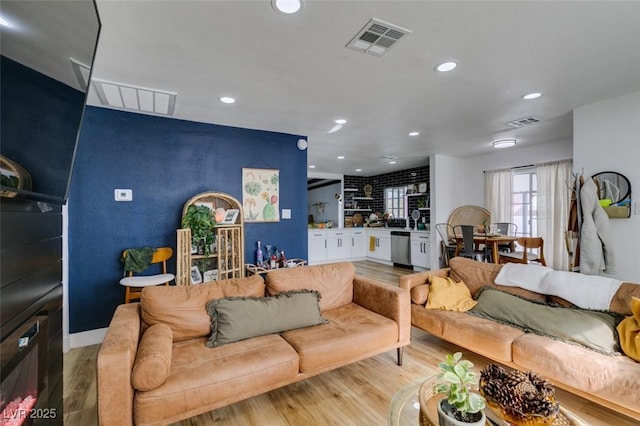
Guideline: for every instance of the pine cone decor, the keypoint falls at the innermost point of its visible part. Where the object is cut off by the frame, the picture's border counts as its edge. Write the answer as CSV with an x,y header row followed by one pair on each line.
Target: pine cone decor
x,y
522,399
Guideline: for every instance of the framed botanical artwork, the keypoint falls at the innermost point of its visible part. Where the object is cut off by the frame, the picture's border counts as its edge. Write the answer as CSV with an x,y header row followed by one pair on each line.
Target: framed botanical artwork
x,y
261,195
196,276
230,217
422,187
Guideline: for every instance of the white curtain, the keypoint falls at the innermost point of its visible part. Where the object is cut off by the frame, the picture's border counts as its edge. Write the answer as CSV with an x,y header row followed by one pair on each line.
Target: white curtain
x,y
554,197
497,195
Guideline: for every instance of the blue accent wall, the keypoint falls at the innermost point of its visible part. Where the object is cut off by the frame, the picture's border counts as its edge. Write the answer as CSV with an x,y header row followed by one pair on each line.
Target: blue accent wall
x,y
165,162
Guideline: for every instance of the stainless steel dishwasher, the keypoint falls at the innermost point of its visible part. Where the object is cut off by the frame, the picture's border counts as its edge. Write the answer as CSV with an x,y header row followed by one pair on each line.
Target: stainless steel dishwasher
x,y
401,248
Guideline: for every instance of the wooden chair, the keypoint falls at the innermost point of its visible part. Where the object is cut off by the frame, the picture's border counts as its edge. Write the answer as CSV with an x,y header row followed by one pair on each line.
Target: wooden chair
x,y
526,255
135,284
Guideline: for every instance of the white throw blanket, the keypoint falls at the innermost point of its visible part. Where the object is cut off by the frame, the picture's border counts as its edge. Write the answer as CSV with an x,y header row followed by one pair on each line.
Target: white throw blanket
x,y
584,291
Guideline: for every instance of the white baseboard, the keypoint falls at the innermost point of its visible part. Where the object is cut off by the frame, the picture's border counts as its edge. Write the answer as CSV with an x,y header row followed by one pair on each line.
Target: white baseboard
x,y
84,338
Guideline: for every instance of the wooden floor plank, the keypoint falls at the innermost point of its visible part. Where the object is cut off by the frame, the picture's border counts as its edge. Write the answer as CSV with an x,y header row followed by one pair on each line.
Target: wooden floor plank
x,y
357,394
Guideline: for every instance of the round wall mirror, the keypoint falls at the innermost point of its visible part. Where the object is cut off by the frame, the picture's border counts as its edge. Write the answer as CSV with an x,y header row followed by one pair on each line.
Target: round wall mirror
x,y
613,186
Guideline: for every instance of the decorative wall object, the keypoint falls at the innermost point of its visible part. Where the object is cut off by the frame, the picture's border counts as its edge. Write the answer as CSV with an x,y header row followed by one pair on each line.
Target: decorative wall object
x,y
261,195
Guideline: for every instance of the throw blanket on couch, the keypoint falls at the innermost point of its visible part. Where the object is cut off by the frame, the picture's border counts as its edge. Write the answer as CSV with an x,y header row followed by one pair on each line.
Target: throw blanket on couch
x,y
584,291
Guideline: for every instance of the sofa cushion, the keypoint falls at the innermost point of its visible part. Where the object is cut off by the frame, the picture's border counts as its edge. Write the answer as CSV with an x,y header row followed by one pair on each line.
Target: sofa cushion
x,y
482,336
621,301
477,275
184,308
203,379
591,329
352,333
239,318
629,332
153,358
420,294
613,378
333,281
449,295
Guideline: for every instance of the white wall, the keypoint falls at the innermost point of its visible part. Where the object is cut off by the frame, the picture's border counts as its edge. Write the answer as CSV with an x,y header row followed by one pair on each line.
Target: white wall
x,y
607,138
447,177
508,158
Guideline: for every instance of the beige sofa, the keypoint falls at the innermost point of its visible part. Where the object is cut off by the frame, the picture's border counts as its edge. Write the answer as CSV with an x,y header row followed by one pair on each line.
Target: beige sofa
x,y
612,381
364,318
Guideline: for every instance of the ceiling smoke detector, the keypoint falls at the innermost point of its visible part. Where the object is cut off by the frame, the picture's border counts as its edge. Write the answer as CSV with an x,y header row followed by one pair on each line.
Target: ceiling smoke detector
x,y
376,37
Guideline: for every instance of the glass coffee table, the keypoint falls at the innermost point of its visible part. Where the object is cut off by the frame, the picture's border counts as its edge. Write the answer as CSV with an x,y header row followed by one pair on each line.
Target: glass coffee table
x,y
405,404
416,404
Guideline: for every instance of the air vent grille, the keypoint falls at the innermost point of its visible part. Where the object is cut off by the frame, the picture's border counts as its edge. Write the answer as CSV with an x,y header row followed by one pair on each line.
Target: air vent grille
x,y
527,121
133,98
376,37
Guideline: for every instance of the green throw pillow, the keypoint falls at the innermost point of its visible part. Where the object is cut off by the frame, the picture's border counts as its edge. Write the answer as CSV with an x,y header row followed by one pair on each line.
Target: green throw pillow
x,y
594,330
239,318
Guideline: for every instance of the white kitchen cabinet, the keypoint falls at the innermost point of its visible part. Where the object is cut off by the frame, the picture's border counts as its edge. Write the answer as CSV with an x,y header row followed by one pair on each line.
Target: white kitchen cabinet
x,y
421,250
317,247
358,243
338,244
381,245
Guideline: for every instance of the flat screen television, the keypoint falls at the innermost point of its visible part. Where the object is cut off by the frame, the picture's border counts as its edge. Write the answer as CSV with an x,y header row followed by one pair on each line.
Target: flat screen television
x,y
46,55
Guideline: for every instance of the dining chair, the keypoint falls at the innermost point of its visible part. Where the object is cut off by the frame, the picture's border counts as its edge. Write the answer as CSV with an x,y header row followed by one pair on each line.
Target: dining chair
x,y
466,232
505,228
138,261
526,255
448,243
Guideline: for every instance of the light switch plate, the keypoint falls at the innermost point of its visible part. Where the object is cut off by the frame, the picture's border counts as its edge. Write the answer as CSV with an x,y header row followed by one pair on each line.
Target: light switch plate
x,y
286,213
123,194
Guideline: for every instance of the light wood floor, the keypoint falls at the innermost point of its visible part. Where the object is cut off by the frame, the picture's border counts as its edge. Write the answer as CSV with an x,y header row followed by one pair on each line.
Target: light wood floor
x,y
358,394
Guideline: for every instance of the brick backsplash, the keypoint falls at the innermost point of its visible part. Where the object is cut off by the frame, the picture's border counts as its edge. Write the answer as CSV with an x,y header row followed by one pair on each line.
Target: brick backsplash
x,y
394,179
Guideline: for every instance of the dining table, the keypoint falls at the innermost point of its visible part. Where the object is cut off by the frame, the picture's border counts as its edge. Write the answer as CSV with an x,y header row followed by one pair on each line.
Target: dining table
x,y
491,240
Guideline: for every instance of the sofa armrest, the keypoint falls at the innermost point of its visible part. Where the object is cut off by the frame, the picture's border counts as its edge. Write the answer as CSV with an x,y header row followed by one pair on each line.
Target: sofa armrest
x,y
411,280
114,366
384,299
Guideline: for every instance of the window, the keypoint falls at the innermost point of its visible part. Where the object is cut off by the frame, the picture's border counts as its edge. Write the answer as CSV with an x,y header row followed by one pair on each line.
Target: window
x,y
394,202
524,202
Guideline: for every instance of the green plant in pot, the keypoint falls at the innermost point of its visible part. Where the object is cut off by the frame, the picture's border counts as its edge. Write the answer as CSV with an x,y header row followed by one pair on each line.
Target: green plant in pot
x,y
462,405
201,222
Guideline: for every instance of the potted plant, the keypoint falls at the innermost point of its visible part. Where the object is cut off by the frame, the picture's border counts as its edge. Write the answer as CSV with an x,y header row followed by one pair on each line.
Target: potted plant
x,y
462,405
201,222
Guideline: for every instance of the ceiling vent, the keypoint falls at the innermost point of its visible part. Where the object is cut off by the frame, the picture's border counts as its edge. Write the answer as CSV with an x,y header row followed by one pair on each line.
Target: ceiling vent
x,y
133,98
376,37
527,121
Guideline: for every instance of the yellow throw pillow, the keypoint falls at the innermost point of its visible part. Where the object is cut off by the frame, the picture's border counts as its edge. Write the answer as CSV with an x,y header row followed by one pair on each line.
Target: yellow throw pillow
x,y
444,293
629,331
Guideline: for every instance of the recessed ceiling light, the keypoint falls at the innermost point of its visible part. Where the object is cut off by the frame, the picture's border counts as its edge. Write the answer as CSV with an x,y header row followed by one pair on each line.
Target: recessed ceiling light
x,y
503,143
392,162
340,157
227,100
414,133
358,170
446,66
341,121
312,167
286,7
533,95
